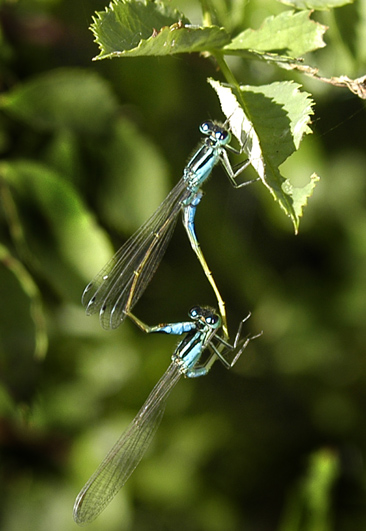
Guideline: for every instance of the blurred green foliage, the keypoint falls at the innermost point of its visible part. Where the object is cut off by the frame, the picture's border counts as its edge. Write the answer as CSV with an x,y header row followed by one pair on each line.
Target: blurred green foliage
x,y
89,149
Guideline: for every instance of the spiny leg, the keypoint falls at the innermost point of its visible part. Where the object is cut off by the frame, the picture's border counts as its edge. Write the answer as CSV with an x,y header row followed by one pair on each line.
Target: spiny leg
x,y
237,341
233,172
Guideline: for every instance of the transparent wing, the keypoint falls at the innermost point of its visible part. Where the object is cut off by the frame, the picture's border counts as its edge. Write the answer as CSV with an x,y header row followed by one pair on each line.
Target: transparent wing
x,y
120,284
126,454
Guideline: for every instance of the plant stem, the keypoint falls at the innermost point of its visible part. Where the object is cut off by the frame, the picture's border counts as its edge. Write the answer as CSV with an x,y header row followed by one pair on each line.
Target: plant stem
x,y
230,78
206,14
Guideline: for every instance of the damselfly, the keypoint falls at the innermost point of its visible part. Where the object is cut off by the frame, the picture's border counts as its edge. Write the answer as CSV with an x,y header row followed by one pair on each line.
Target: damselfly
x,y
202,333
120,284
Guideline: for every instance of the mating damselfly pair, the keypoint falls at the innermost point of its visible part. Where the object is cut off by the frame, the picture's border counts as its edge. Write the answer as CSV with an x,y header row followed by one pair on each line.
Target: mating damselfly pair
x,y
118,287
120,284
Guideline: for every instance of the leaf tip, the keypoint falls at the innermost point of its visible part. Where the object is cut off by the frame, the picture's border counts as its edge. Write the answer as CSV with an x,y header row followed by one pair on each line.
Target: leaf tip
x,y
299,197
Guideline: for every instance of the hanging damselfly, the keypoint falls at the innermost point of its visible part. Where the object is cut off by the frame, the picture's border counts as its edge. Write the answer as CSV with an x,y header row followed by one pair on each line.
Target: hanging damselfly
x,y
202,333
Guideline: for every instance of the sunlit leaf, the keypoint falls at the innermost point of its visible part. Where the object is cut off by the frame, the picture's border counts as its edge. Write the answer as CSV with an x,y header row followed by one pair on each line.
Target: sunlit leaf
x,y
300,194
270,129
129,28
289,33
319,5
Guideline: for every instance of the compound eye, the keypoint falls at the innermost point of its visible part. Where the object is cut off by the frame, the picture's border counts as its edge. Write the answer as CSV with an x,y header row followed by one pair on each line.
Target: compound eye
x,y
221,135
212,319
206,128
195,312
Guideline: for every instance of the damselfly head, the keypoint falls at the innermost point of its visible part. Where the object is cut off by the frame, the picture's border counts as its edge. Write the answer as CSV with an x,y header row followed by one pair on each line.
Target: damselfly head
x,y
216,131
206,315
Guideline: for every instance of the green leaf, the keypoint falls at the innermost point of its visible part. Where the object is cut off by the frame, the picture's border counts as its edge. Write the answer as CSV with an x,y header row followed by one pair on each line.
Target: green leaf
x,y
241,126
310,503
299,194
289,33
319,5
65,98
270,129
11,320
68,248
133,185
132,28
